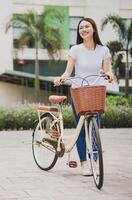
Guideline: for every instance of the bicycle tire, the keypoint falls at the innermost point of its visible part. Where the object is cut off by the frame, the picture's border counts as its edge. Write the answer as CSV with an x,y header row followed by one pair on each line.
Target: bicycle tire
x,y
95,152
44,153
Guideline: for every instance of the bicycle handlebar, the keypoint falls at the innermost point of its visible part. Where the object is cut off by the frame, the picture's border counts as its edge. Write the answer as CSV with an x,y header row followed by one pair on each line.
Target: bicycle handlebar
x,y
84,79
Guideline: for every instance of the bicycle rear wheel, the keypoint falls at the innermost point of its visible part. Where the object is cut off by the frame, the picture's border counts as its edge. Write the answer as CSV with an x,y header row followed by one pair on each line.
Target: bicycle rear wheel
x,y
95,151
44,152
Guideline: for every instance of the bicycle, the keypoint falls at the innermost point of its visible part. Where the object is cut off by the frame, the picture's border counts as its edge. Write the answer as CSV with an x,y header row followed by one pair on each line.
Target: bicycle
x,y
48,142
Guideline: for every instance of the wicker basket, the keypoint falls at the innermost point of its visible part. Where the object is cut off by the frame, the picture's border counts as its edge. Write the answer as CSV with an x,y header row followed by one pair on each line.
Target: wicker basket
x,y
90,99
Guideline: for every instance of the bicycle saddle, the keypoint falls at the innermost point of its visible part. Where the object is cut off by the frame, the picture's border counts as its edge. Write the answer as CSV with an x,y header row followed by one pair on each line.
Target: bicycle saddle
x,y
57,99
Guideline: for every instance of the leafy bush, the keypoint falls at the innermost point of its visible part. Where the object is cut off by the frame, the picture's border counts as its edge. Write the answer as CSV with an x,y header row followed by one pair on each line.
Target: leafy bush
x,y
22,116
117,117
118,112
68,116
118,100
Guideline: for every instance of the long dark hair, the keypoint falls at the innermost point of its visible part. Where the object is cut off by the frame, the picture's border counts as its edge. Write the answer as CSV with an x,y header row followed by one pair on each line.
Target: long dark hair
x,y
95,34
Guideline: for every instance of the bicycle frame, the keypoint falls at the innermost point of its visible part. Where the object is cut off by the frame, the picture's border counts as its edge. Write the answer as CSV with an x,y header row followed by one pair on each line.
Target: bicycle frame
x,y
75,136
59,119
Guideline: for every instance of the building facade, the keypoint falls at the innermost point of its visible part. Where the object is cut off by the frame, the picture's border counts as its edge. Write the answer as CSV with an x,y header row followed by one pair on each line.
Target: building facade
x,y
17,67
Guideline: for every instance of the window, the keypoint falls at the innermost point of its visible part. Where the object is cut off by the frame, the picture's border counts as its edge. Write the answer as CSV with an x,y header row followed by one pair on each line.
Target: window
x,y
73,29
18,29
17,32
127,21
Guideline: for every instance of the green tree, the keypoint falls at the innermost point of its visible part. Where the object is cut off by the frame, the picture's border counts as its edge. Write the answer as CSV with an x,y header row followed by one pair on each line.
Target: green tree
x,y
42,30
117,56
124,31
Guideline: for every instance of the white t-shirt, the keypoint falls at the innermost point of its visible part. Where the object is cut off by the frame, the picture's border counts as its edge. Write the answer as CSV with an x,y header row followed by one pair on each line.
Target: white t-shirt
x,y
88,62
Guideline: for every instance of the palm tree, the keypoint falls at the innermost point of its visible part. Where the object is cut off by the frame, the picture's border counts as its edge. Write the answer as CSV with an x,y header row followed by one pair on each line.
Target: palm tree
x,y
41,30
125,39
117,56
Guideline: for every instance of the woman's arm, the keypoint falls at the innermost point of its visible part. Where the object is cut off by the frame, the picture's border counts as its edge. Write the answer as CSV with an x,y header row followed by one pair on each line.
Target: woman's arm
x,y
106,65
106,69
69,68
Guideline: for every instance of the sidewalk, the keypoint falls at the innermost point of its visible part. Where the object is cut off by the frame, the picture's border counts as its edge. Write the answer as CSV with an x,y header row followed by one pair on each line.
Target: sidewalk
x,y
21,179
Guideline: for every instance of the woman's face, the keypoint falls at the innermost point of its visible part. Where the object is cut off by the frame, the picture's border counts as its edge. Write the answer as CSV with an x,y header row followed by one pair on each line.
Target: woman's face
x,y
86,30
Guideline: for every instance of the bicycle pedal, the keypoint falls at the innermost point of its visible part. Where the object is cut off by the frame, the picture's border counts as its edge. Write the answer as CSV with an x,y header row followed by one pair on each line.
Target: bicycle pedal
x,y
72,164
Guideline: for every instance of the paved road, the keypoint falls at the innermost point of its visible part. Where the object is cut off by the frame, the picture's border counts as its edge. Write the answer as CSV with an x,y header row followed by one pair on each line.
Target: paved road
x,y
21,179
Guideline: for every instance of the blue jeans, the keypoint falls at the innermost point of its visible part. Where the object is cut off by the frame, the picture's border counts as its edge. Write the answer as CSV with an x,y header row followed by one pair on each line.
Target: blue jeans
x,y
81,142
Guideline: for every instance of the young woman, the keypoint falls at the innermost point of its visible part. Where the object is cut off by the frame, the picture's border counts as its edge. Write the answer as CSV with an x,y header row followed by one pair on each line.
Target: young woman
x,y
89,57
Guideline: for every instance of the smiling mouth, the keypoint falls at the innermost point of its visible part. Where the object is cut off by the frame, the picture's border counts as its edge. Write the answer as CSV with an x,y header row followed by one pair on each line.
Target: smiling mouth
x,y
85,33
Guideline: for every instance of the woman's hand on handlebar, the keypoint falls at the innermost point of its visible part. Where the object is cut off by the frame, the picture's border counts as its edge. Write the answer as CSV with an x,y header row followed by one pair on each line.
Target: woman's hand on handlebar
x,y
59,81
109,76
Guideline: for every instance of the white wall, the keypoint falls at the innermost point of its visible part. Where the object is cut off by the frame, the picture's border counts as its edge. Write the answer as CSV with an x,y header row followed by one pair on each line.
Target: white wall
x,y
126,8
48,2
11,94
5,39
29,54
21,6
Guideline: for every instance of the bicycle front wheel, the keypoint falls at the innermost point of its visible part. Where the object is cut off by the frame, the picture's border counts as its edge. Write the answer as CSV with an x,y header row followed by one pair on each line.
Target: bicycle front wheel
x,y
95,151
44,153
